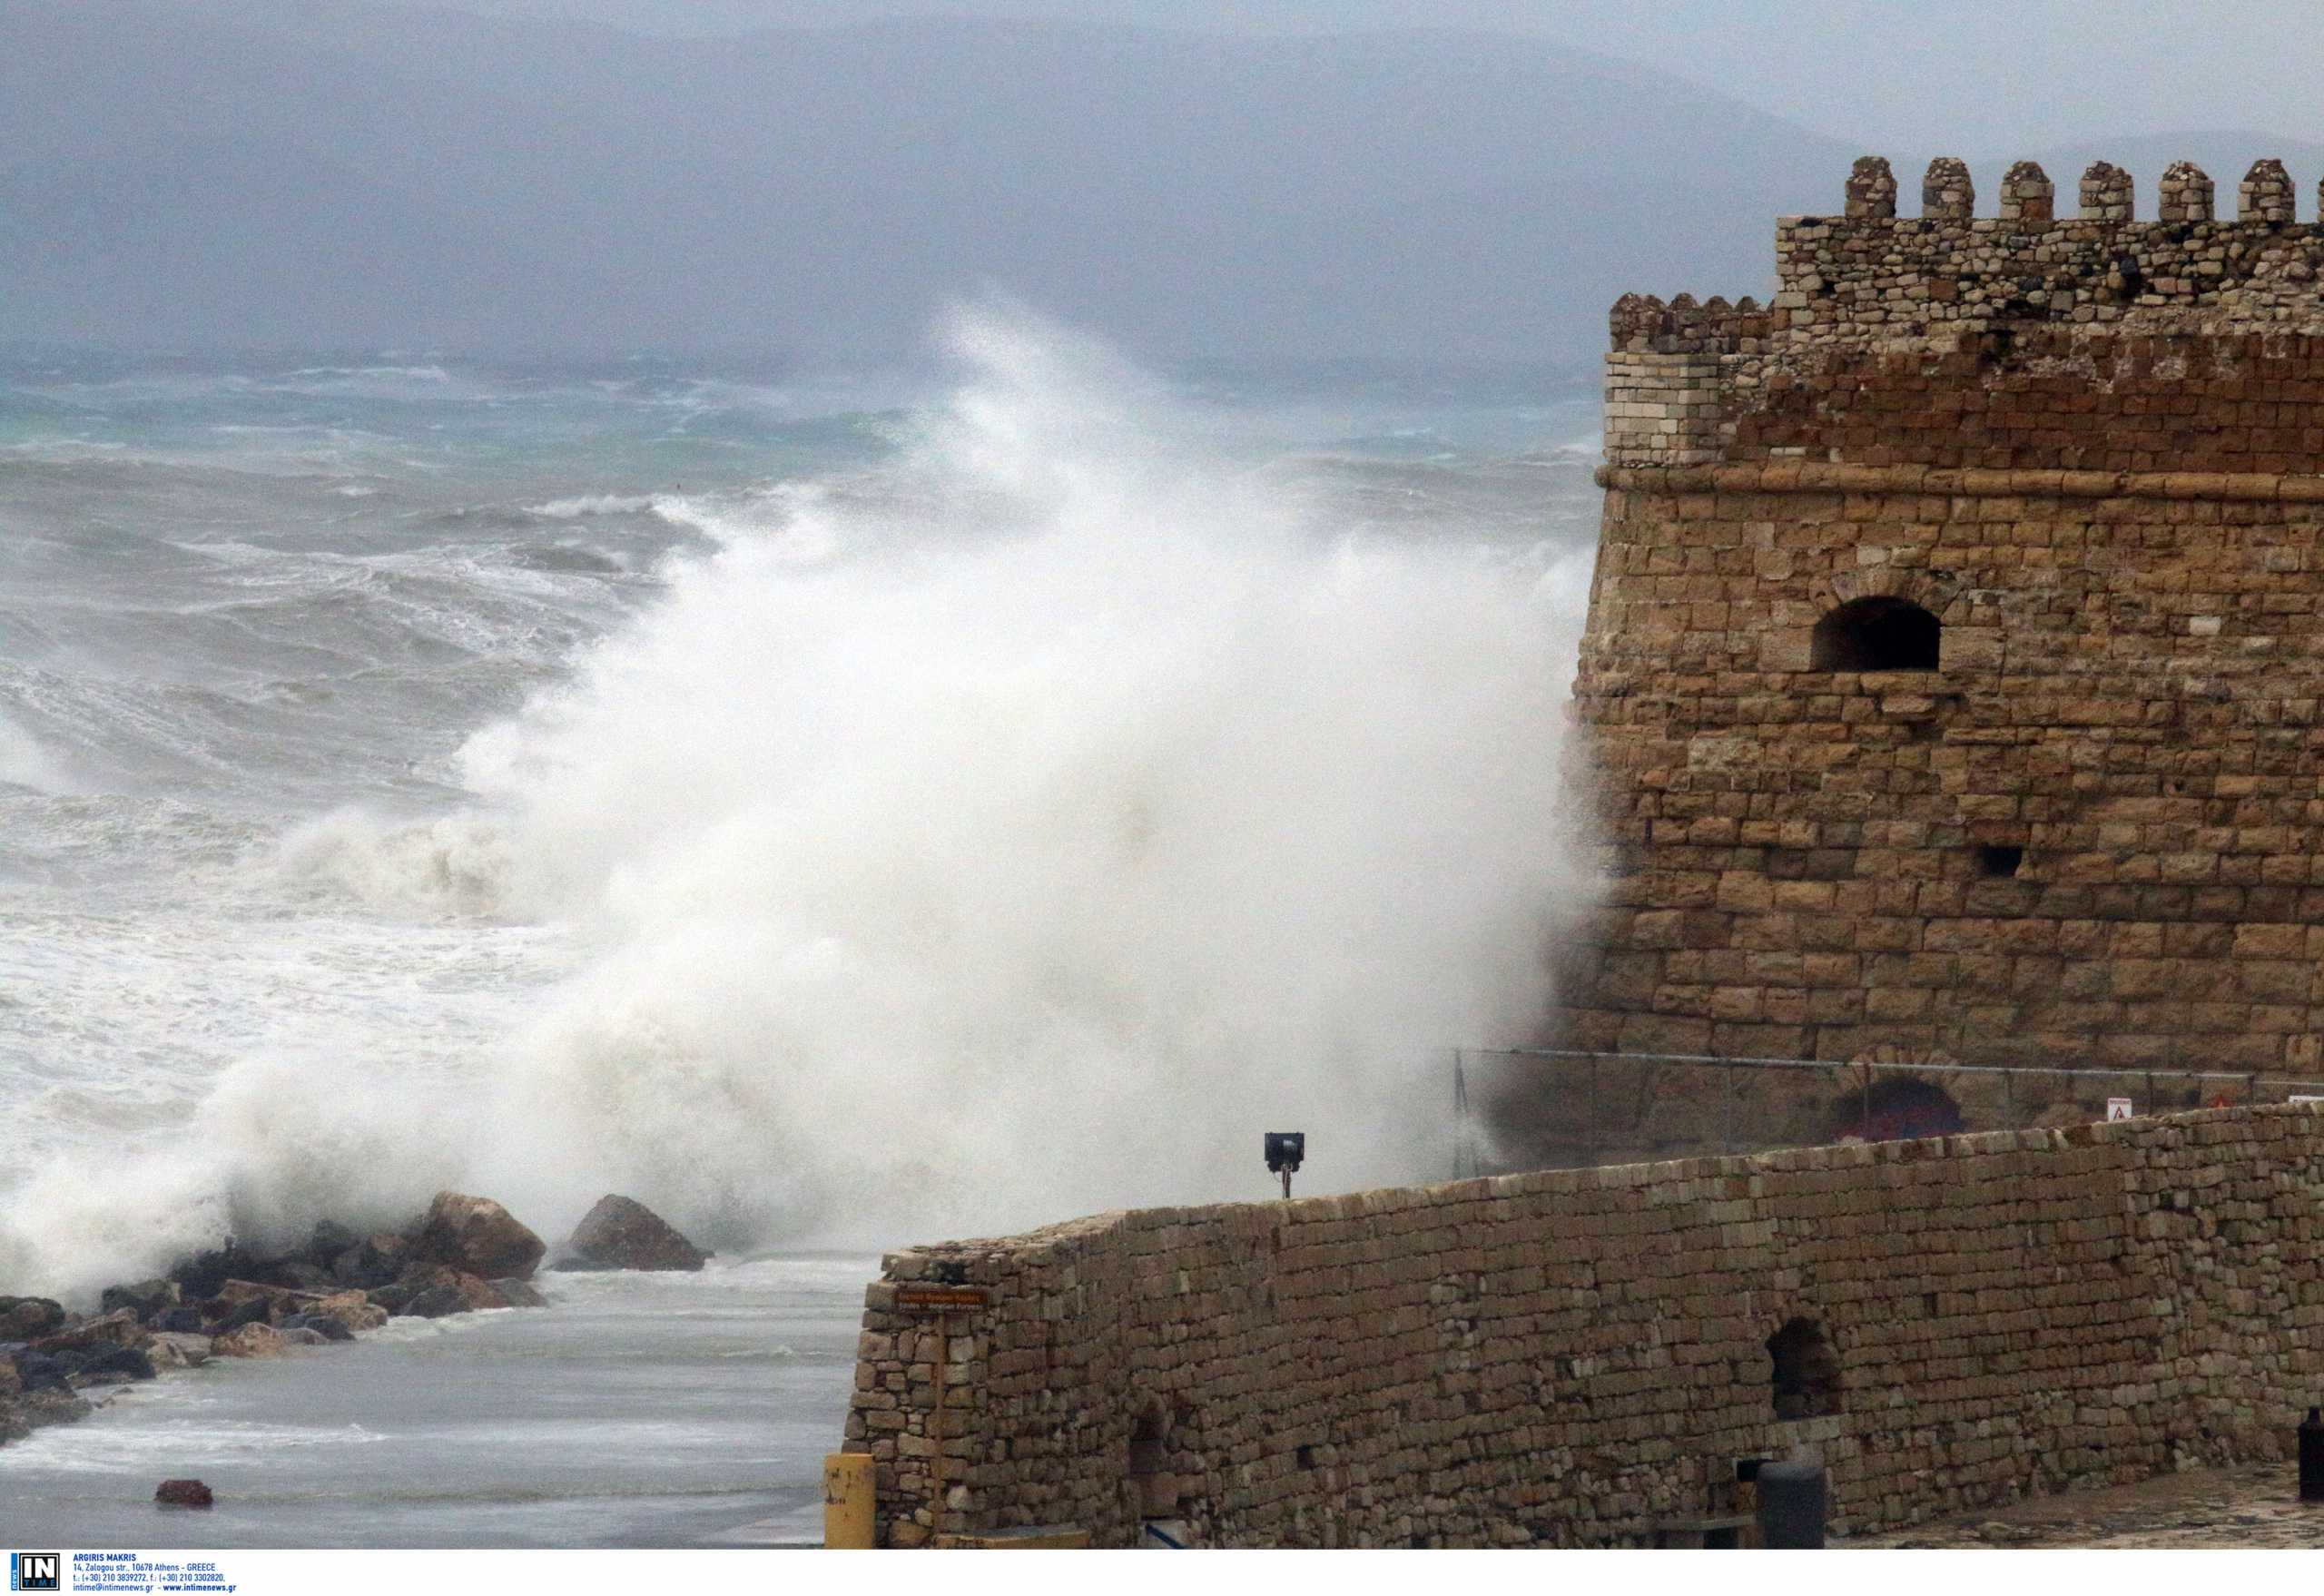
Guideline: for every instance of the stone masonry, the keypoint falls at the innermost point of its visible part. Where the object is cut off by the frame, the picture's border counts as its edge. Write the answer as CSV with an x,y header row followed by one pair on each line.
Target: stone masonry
x,y
2081,460
1563,1359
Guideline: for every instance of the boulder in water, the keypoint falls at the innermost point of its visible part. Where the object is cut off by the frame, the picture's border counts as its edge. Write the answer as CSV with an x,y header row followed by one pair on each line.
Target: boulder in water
x,y
108,1365
620,1232
255,1340
449,1291
171,1349
303,1336
182,1494
232,1316
147,1299
350,1309
374,1261
118,1328
24,1318
518,1294
37,1371
476,1236
321,1326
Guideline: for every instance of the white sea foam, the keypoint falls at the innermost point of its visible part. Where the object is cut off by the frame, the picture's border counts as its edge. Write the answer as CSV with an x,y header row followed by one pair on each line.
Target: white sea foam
x,y
982,871
593,504
25,762
1016,842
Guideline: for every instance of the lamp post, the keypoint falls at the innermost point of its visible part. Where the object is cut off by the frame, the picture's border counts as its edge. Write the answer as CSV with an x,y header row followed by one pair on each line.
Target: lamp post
x,y
1285,1149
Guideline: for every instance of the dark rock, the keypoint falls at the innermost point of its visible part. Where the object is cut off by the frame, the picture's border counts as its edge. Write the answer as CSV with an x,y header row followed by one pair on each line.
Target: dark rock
x,y
373,1262
257,1310
353,1311
147,1298
474,1293
182,1494
433,1303
330,1240
24,1318
322,1324
201,1275
278,1299
106,1365
305,1276
184,1320
518,1294
118,1328
623,1233
39,1370
393,1297
302,1336
53,1405
476,1236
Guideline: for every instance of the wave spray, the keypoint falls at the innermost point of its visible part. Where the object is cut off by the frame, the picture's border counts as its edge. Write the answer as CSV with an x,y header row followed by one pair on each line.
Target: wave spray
x,y
1016,833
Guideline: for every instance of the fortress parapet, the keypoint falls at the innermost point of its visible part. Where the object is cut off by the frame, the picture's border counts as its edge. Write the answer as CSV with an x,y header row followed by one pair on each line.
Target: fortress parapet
x,y
1955,670
1871,309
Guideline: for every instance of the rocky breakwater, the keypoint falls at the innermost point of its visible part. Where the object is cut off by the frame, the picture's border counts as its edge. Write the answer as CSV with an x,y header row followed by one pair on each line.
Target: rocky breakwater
x,y
463,1255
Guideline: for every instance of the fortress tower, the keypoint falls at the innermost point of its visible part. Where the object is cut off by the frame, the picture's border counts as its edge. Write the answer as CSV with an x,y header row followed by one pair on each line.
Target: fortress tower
x,y
1956,644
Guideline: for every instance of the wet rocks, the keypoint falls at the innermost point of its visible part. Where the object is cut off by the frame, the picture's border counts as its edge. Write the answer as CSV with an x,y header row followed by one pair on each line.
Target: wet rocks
x,y
108,1365
145,1300
36,1371
118,1328
171,1349
374,1261
250,1341
352,1310
464,1255
22,1318
182,1494
476,1236
620,1232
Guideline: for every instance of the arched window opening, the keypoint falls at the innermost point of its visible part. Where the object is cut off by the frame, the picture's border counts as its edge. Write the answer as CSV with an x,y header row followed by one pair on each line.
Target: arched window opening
x,y
1806,1373
1875,635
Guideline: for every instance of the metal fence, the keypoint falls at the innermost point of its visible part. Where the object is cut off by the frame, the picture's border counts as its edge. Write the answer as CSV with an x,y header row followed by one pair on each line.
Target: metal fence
x,y
1538,1108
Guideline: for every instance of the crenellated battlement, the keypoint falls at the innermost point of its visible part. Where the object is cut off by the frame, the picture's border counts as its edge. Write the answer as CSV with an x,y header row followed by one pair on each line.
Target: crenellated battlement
x,y
1685,380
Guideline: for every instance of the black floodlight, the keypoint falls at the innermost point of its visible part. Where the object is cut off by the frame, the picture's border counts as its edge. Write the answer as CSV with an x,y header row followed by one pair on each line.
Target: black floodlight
x,y
1285,1148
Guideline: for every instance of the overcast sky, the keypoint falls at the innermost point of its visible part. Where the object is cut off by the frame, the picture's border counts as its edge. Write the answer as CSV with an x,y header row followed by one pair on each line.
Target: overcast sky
x,y
1978,75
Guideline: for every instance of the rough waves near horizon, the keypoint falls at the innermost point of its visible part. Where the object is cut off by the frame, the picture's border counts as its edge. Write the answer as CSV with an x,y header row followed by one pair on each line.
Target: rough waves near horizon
x,y
819,812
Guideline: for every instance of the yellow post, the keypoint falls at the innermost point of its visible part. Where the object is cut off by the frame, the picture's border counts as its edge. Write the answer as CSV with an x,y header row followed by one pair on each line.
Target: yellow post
x,y
847,1501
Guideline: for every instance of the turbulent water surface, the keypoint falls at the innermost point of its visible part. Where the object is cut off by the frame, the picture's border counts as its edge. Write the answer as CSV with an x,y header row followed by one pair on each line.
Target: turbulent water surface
x,y
827,811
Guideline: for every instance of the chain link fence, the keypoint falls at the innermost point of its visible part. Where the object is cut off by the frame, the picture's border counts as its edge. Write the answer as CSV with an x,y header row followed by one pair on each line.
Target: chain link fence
x,y
1531,1109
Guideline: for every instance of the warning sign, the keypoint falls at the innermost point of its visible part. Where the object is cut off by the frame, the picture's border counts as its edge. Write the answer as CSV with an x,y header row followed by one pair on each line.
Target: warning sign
x,y
2118,1108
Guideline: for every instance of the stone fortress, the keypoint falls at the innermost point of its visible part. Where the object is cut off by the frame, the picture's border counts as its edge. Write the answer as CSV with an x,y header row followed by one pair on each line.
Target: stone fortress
x,y
1952,687
1956,645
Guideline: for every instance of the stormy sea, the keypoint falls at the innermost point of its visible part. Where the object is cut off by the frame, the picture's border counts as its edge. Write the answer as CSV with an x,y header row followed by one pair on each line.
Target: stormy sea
x,y
836,811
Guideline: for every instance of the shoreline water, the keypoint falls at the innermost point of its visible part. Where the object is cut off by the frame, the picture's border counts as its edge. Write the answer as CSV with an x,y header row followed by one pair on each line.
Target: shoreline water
x,y
640,1410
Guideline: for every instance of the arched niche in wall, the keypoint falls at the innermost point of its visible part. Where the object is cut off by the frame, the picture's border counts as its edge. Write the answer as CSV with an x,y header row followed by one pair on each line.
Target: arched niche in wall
x,y
1878,633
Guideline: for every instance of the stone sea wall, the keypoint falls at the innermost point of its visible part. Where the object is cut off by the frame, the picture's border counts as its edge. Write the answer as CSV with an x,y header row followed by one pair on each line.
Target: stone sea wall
x,y
1567,1357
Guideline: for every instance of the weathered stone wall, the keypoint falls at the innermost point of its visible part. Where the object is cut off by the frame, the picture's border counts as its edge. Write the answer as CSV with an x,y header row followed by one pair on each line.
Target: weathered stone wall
x,y
1565,1358
2094,451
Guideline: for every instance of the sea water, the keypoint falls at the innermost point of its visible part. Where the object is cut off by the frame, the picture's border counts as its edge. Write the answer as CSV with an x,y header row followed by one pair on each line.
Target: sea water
x,y
836,811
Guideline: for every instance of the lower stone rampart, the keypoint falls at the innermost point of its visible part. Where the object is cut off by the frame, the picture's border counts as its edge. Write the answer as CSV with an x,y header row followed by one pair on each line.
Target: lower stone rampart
x,y
1566,1357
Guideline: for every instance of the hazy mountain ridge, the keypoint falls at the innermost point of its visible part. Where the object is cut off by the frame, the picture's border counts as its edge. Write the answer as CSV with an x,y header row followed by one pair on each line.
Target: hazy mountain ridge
x,y
175,178
337,174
